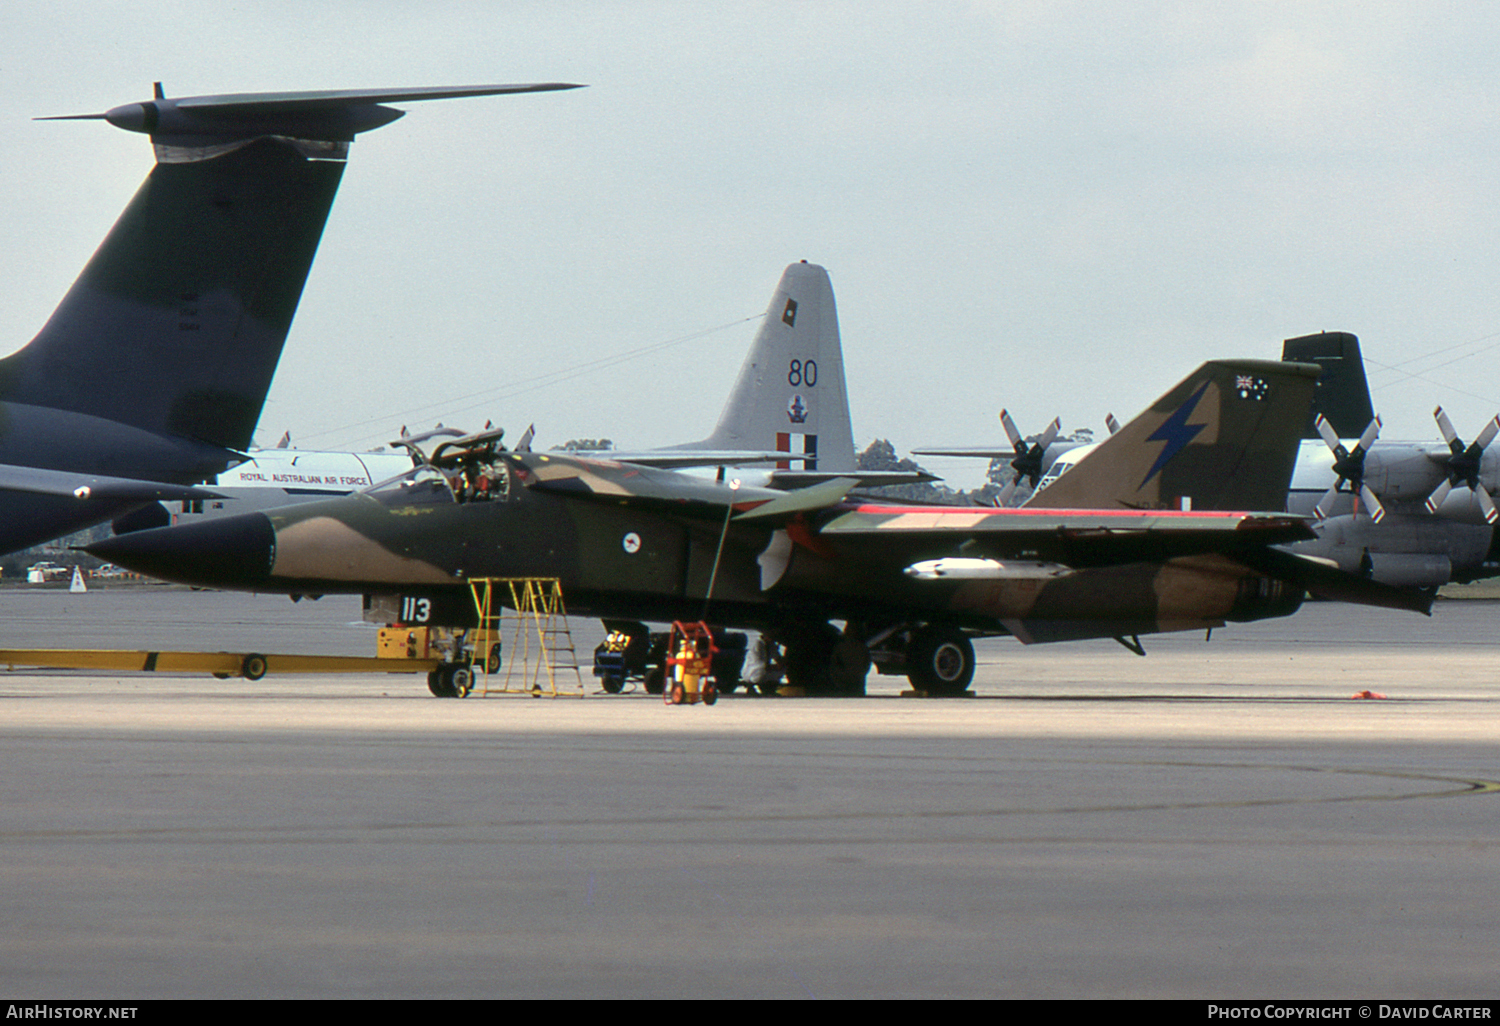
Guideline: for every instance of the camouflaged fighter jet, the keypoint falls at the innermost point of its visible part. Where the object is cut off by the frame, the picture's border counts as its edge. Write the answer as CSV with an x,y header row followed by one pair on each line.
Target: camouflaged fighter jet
x,y
913,584
151,374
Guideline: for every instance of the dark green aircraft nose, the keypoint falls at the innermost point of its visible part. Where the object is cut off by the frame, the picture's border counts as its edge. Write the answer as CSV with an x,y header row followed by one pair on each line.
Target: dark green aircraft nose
x,y
227,552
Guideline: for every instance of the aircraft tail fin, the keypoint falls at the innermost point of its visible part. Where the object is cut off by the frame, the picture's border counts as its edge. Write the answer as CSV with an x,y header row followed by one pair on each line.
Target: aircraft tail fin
x,y
1224,438
177,322
1343,394
790,394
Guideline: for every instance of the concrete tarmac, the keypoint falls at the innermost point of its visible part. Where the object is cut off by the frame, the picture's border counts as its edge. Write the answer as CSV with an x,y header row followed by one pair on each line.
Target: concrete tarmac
x,y
1214,820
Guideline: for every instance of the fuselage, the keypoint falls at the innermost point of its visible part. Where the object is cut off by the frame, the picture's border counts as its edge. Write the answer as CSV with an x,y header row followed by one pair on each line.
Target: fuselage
x,y
653,557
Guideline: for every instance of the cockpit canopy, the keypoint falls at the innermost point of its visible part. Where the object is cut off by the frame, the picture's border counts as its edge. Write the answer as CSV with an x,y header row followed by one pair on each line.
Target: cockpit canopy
x,y
471,477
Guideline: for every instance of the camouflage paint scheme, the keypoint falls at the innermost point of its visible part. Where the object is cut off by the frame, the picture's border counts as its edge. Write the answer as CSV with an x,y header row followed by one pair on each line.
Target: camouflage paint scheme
x,y
633,541
629,541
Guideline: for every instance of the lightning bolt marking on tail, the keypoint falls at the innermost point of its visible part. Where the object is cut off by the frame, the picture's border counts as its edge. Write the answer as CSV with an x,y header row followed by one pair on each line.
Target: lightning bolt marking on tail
x,y
1176,432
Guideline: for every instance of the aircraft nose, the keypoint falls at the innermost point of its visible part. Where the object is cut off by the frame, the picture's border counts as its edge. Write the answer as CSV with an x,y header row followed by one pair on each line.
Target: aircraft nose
x,y
228,552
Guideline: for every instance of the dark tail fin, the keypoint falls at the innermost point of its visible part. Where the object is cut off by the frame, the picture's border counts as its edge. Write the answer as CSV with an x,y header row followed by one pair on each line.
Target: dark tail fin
x,y
1225,438
176,324
1343,394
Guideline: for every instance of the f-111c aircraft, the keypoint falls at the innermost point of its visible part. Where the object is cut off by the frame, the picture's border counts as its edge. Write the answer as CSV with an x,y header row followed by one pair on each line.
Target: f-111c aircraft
x,y
151,374
913,584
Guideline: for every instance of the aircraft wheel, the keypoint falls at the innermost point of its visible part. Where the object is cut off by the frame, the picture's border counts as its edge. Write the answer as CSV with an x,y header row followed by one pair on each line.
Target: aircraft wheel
x,y
940,660
438,684
451,680
849,665
809,658
253,666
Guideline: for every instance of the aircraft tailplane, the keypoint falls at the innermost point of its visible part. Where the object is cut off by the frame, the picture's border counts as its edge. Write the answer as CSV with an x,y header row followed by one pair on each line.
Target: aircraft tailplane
x,y
1225,438
177,322
790,394
1343,394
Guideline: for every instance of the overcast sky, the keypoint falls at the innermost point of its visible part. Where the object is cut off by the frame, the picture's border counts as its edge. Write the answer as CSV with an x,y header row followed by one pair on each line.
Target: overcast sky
x,y
1059,207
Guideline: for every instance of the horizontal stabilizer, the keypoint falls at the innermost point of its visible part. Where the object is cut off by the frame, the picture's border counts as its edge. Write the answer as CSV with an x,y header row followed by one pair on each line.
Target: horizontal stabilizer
x,y
1324,581
1008,453
818,496
790,479
331,115
36,481
687,458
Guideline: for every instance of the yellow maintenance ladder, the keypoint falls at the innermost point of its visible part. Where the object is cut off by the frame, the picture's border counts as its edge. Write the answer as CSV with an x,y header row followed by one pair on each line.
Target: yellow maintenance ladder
x,y
541,644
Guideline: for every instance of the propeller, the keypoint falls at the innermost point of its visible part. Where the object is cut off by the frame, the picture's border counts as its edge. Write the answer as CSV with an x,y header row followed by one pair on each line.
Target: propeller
x,y
1463,465
1028,459
1349,465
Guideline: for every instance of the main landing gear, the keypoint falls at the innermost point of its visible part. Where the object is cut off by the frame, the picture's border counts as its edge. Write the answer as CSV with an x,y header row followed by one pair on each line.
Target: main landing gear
x,y
816,657
939,660
821,660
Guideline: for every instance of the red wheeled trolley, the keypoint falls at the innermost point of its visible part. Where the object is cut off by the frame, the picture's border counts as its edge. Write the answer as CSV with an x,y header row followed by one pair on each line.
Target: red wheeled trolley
x,y
690,656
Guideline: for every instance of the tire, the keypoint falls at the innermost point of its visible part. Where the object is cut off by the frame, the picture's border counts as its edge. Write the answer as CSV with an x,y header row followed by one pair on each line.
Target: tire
x,y
729,661
940,660
451,680
437,683
492,664
710,693
656,680
253,666
809,658
849,665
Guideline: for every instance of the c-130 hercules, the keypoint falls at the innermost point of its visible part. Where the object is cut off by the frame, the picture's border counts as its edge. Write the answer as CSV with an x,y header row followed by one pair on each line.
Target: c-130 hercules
x,y
151,374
